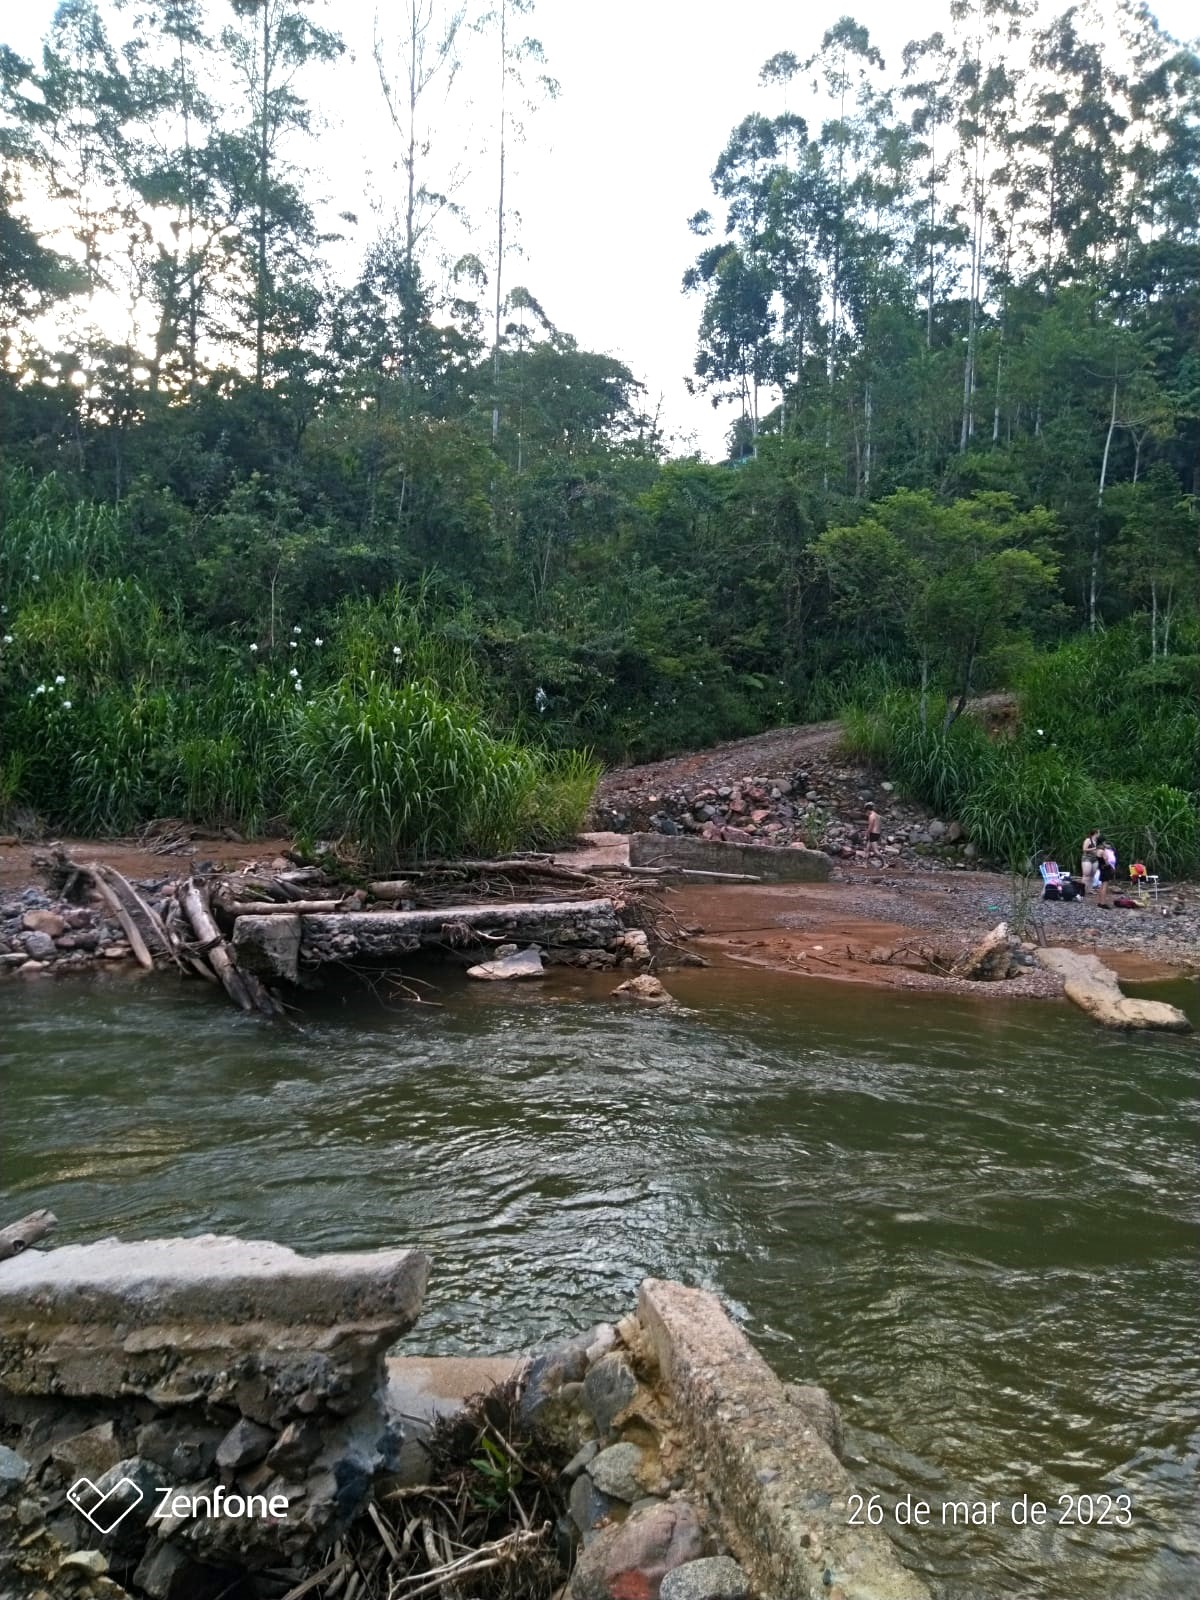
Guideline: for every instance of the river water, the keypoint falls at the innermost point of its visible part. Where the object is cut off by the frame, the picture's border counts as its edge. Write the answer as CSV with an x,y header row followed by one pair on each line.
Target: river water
x,y
974,1223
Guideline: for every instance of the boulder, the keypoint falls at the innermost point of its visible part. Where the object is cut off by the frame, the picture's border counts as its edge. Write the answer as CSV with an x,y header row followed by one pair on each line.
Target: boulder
x,y
629,1560
39,946
644,988
44,922
1094,988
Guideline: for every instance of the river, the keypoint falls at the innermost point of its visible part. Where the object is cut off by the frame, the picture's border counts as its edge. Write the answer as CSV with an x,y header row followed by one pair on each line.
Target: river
x,y
974,1223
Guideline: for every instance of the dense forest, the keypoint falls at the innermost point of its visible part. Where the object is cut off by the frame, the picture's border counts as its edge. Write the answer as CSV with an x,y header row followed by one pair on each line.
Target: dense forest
x,y
384,552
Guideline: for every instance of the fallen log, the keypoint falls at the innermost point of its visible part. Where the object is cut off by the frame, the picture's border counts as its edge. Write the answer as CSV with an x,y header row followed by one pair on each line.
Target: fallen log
x,y
390,889
136,943
20,1235
243,988
291,908
154,921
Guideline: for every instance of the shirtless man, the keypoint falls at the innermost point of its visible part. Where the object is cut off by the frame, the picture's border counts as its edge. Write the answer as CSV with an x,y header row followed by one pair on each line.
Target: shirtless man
x,y
872,832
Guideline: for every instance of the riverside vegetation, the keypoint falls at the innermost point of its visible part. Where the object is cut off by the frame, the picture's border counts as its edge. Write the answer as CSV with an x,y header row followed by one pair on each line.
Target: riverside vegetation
x,y
379,552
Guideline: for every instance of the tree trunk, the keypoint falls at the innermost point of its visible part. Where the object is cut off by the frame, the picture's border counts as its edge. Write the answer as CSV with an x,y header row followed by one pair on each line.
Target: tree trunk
x,y
1094,576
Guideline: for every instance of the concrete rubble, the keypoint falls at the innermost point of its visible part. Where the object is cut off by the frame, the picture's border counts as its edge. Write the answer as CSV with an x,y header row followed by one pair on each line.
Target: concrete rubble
x,y
217,1367
195,1365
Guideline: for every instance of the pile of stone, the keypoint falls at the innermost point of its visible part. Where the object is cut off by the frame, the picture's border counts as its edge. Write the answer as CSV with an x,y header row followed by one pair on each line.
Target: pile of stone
x,y
178,1413
824,807
40,933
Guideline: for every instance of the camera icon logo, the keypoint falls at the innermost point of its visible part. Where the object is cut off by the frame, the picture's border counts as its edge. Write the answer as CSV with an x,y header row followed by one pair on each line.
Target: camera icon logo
x,y
104,1509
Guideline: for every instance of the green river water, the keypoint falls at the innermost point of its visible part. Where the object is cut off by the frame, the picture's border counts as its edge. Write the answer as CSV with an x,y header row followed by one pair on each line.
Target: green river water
x,y
974,1223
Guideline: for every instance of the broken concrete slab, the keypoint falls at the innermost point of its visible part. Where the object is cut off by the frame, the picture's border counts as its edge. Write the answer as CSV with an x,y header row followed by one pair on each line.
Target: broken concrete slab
x,y
782,1494
1094,988
228,1321
768,863
269,946
524,964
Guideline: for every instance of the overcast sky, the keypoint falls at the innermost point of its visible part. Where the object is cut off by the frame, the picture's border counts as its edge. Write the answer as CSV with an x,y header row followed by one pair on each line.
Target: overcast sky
x,y
610,171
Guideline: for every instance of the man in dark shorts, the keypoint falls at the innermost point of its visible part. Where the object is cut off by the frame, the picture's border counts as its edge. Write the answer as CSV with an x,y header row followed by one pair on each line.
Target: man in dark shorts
x,y
872,832
1106,868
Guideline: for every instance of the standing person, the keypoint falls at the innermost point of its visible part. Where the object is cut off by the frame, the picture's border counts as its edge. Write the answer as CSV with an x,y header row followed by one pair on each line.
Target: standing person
x,y
1107,868
872,831
1090,858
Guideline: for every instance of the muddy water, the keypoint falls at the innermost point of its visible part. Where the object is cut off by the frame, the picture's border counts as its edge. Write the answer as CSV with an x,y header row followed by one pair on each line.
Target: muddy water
x,y
975,1224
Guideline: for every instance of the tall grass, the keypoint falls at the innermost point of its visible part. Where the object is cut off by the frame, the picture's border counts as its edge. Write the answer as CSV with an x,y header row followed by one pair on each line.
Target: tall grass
x,y
400,771
1024,796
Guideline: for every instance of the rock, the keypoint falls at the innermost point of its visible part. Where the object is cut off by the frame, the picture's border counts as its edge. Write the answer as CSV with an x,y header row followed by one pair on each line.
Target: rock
x,y
182,1446
581,1459
167,1573
820,1412
1094,988
608,1388
936,830
615,1472
525,964
40,946
645,988
14,1469
888,788
629,1560
296,1448
244,1444
588,1505
954,832
93,1562
970,852
33,969
89,1454
271,947
710,1578
44,922
989,960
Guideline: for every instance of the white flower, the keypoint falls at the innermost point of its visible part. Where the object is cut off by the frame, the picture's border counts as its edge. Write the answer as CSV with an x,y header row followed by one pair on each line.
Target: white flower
x,y
41,689
66,705
296,631
297,685
8,638
1041,733
253,649
291,644
541,699
60,680
395,649
293,672
318,642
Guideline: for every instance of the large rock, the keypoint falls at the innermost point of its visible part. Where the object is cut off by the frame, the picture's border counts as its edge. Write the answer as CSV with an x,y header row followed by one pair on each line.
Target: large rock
x,y
243,1323
630,1560
711,1578
269,946
1094,988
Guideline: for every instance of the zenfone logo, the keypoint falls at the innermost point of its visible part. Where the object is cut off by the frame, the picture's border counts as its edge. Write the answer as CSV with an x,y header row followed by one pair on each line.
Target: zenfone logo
x,y
105,1509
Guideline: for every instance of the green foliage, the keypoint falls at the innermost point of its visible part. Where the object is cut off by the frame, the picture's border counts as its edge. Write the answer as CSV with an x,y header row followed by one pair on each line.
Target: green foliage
x,y
1066,771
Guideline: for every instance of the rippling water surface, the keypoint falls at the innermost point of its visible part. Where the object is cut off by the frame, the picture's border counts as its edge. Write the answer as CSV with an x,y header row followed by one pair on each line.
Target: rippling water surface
x,y
975,1224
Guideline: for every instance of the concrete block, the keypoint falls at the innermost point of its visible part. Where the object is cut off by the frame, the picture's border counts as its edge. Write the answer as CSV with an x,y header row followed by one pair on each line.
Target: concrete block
x,y
782,1493
770,863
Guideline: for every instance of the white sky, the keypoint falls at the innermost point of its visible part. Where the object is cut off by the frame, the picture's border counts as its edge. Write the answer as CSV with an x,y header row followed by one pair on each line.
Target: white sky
x,y
611,170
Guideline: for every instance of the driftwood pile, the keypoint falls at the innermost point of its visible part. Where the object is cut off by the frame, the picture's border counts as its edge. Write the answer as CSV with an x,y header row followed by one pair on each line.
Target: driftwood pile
x,y
188,924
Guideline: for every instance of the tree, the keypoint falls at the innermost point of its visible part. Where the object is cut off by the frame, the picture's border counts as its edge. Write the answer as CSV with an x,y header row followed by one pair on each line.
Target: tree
x,y
270,44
